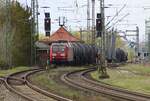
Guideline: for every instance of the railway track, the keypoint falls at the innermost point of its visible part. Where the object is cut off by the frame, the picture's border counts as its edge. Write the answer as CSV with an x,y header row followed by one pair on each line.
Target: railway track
x,y
20,84
79,80
1,81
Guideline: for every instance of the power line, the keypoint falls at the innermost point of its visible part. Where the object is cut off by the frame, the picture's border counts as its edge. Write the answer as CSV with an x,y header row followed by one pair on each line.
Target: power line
x,y
117,13
118,21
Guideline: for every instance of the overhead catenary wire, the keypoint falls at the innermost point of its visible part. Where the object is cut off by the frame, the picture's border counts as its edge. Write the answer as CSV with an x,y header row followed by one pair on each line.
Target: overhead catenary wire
x,y
116,14
118,21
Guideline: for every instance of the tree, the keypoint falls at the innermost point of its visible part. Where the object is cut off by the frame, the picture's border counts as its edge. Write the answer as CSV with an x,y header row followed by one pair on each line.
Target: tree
x,y
20,36
3,30
119,42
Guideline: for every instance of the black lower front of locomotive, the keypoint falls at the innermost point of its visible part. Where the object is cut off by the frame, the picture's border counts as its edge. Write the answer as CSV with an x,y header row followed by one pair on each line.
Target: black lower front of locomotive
x,y
59,62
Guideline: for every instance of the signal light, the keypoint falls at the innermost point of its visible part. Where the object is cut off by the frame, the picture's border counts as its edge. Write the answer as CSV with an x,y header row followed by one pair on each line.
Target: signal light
x,y
47,24
99,34
98,15
47,33
98,24
145,54
139,54
47,15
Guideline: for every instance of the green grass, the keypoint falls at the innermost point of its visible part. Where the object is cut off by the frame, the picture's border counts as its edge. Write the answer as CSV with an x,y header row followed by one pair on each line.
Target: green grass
x,y
128,80
47,80
139,68
12,70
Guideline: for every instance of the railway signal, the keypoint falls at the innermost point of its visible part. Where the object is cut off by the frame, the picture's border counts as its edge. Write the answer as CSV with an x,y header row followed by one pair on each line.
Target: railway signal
x,y
103,65
47,33
47,24
98,25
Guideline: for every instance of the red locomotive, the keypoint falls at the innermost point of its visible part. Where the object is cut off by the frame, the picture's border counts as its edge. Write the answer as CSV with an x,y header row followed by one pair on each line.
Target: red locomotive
x,y
72,53
60,53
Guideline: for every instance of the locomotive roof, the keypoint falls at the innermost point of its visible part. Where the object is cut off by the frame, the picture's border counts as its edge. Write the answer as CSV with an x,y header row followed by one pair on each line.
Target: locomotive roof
x,y
41,45
63,43
61,35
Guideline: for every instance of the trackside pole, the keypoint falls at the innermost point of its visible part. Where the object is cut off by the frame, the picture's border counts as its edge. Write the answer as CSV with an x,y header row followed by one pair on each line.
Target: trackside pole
x,y
48,61
101,56
101,66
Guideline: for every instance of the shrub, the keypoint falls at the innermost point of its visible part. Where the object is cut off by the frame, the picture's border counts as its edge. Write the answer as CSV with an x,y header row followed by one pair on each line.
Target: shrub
x,y
3,65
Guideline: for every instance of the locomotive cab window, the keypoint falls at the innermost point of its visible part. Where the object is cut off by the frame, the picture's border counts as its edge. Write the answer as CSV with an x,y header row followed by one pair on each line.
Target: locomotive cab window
x,y
58,48
62,48
55,48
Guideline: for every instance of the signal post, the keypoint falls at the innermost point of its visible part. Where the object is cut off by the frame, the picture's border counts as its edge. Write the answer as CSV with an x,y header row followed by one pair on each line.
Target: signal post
x,y
47,24
100,27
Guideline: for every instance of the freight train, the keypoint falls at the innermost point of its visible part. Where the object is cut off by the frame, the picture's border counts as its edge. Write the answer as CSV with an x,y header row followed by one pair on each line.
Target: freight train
x,y
72,53
118,56
121,55
77,53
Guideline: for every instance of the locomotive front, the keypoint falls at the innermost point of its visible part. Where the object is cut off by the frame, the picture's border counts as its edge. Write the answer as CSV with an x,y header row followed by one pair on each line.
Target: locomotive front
x,y
58,53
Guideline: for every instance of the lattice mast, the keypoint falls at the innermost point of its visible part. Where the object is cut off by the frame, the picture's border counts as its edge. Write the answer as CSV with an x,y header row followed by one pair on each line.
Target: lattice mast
x,y
147,23
34,29
93,21
34,8
88,20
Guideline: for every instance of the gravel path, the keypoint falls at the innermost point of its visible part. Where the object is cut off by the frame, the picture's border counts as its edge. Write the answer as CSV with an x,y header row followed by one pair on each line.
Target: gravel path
x,y
6,95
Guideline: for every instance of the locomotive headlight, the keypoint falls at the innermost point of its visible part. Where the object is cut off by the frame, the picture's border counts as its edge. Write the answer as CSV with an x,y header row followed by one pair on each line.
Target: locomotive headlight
x,y
53,54
62,54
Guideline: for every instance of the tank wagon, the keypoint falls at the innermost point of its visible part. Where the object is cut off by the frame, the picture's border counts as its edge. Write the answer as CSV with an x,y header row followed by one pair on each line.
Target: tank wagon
x,y
118,56
75,53
121,55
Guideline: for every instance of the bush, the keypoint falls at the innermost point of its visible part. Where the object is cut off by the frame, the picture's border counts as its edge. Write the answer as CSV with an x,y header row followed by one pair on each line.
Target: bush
x,y
3,65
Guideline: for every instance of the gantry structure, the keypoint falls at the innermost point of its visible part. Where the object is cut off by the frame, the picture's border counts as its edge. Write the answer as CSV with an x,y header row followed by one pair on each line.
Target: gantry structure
x,y
34,29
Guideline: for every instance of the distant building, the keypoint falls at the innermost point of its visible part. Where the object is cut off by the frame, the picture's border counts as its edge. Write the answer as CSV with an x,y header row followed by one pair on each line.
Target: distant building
x,y
42,46
147,33
60,35
143,51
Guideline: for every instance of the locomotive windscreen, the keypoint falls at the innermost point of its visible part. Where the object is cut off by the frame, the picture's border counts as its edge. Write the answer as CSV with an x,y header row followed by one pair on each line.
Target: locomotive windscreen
x,y
58,48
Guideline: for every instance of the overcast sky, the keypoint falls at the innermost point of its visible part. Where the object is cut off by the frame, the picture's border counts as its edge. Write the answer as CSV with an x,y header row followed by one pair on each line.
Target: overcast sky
x,y
76,13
